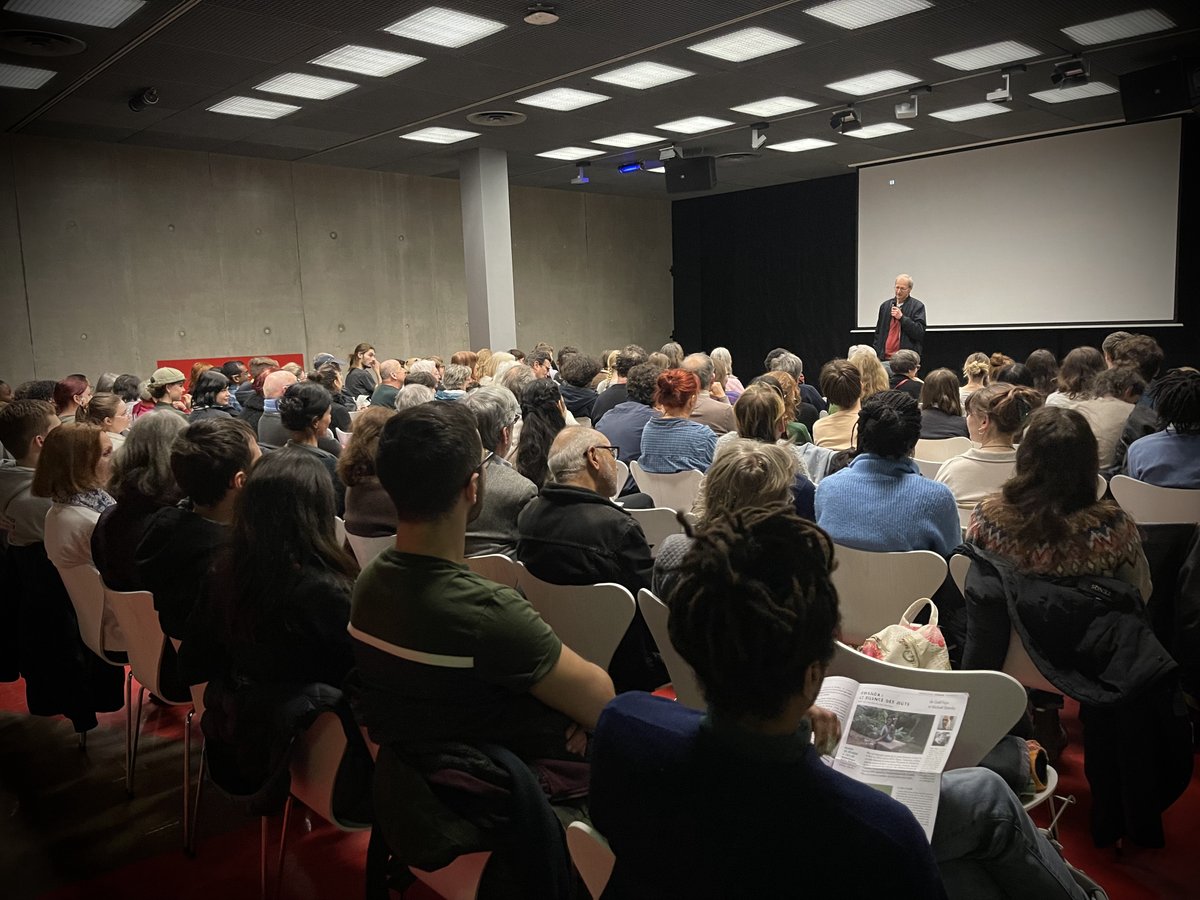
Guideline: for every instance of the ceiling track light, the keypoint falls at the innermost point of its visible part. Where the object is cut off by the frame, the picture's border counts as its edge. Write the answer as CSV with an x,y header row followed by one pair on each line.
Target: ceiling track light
x,y
757,136
1003,94
1072,73
143,99
908,109
846,120
581,176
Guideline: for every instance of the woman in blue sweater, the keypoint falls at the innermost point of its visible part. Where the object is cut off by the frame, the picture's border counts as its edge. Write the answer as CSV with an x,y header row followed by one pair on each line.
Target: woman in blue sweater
x,y
881,501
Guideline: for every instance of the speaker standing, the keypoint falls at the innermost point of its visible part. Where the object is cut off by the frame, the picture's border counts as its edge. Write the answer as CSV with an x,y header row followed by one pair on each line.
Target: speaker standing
x,y
901,324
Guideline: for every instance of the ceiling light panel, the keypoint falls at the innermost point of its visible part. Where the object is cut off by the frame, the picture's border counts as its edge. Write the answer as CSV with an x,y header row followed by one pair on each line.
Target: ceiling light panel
x,y
874,82
26,77
1144,21
988,55
693,125
439,135
748,43
874,131
629,139
860,13
445,27
973,111
101,13
571,153
253,107
1078,92
563,99
773,106
801,145
296,84
643,75
367,60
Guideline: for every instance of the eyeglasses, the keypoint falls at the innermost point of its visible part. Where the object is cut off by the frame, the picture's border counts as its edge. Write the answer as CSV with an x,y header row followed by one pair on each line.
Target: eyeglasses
x,y
612,450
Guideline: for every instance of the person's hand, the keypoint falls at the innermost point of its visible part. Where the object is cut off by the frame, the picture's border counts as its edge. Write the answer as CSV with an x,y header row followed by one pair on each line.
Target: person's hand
x,y
896,313
826,729
716,391
577,739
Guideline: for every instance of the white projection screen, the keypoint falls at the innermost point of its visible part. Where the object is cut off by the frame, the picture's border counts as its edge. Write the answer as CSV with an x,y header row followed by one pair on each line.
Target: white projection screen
x,y
1072,229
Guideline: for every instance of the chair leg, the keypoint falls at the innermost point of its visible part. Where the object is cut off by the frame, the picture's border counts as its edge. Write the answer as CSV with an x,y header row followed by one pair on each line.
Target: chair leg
x,y
283,833
137,733
129,731
187,779
262,861
195,811
83,741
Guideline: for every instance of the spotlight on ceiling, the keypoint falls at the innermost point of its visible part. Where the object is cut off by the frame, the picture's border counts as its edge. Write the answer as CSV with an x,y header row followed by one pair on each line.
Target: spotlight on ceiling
x,y
142,99
757,135
1072,73
908,109
1003,94
670,152
581,177
541,14
846,120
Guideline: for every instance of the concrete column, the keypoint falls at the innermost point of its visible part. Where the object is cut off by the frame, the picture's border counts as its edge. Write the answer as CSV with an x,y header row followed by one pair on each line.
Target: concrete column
x,y
487,245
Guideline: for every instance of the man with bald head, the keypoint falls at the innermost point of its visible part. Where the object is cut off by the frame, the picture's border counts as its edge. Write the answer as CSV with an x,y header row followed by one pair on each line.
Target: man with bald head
x,y
391,379
712,406
901,324
572,533
271,432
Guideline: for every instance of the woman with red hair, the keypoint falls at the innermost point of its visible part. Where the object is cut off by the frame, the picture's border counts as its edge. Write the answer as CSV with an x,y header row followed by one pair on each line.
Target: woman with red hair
x,y
674,443
70,394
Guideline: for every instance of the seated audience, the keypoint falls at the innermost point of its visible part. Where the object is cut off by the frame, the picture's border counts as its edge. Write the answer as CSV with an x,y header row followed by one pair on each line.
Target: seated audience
x,y
761,416
541,362
1116,392
723,363
841,383
1143,354
996,362
369,510
304,412
577,372
789,363
362,376
110,413
977,369
415,392
618,384
235,373
142,484
659,359
712,406
994,415
211,397
36,390
903,377
542,418
1016,373
941,407
489,368
506,491
674,354
801,415
252,382
329,376
166,388
716,804
24,426
1075,377
1109,344
1171,458
272,432
854,505
623,424
73,471
673,442
254,403
391,380
1043,366
454,383
70,395
128,388
873,375
572,533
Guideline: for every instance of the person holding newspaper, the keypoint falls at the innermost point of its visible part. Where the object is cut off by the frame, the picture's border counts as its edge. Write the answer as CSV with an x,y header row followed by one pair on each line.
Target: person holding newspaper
x,y
738,801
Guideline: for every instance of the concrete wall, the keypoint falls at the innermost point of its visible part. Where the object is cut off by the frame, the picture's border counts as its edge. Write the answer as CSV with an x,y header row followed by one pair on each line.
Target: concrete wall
x,y
114,256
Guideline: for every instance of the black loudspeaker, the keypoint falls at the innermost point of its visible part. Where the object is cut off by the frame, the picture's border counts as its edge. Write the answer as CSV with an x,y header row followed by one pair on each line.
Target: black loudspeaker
x,y
1163,90
695,173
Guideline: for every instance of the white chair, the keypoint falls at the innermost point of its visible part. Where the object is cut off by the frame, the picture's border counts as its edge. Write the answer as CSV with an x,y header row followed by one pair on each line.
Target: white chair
x,y
929,468
583,421
591,619
339,530
996,699
964,516
1150,504
343,437
367,548
683,678
656,524
592,856
942,449
98,627
495,567
677,490
874,589
1101,487
622,478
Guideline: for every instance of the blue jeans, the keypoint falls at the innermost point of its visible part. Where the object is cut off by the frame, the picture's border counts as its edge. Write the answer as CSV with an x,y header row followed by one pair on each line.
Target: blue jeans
x,y
986,846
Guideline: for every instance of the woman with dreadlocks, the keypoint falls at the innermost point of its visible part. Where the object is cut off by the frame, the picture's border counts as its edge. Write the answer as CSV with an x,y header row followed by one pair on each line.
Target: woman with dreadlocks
x,y
1171,458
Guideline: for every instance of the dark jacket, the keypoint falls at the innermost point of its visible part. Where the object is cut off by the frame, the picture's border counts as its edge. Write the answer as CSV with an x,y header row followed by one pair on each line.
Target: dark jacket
x,y
936,425
212,412
173,562
329,461
810,394
912,326
116,537
905,384
578,400
1173,554
252,409
612,395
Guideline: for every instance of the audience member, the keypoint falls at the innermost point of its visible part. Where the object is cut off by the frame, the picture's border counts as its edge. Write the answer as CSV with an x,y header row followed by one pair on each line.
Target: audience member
x,y
252,383
659,359
104,384
489,368
1109,344
712,406
723,363
996,362
673,353
841,383
542,418
329,376
235,373
1171,458
391,379
1043,366
254,403
941,407
801,416
540,363
1116,392
618,386
272,433
466,358
369,510
415,391
515,379
198,369
362,377
577,371
761,417
506,491
166,387
791,364
70,395
903,377
604,377
304,412
977,369
35,390
882,476
454,383
873,375
481,359
673,442
624,422
421,377
128,388
1016,373
108,412
211,397
1079,369
73,471
24,426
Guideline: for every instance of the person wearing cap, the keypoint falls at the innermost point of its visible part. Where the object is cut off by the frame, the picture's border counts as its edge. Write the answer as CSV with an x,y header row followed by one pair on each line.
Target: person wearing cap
x,y
166,387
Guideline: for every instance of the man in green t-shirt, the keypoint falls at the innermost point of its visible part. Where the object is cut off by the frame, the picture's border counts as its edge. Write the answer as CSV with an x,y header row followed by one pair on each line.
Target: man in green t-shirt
x,y
444,654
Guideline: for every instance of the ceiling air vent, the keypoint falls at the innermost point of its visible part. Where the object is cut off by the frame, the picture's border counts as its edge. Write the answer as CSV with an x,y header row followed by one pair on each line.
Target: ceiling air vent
x,y
26,42
496,118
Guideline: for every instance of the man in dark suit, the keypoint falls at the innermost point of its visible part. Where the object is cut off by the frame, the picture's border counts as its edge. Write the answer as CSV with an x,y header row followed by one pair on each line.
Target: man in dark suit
x,y
901,324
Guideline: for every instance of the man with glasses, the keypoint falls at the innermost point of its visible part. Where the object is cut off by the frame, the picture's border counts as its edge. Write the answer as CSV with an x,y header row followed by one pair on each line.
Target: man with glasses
x,y
494,530
572,533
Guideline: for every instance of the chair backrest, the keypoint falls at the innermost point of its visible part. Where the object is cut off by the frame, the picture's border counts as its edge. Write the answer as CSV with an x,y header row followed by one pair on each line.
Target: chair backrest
x,y
591,619
343,437
656,524
367,548
677,490
86,590
622,478
941,449
495,567
683,678
339,530
1016,660
1148,503
592,856
964,516
144,638
929,467
996,699
314,766
874,589
585,421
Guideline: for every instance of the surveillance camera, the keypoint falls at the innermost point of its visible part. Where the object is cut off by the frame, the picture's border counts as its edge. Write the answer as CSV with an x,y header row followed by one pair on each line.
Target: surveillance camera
x,y
141,100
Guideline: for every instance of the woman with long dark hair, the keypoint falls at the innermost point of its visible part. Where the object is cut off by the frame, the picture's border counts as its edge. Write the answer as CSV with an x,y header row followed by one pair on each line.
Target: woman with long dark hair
x,y
543,416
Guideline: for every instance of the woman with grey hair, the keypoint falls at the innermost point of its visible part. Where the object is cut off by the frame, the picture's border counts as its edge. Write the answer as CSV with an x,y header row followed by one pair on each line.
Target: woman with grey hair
x,y
505,491
413,395
141,483
454,382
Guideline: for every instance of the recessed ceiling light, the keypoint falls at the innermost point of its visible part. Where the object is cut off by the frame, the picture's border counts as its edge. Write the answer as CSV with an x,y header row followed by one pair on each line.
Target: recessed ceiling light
x,y
860,13
563,99
972,111
693,125
876,81
801,145
748,43
253,107
102,13
640,76
628,139
296,84
571,153
1079,92
445,27
439,135
879,130
1144,21
988,55
773,106
26,77
367,60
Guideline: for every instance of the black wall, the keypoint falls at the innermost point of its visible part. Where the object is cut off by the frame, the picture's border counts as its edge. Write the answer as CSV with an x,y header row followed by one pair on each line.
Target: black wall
x,y
777,267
